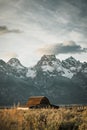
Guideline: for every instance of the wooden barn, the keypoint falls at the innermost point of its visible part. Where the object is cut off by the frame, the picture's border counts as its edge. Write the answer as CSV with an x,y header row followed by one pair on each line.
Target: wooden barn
x,y
39,102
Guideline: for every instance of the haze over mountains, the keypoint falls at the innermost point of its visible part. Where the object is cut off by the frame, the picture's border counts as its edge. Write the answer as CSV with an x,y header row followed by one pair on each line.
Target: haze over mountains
x,y
63,82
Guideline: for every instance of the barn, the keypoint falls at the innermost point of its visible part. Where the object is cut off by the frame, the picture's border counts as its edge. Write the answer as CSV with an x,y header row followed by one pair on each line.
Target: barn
x,y
39,102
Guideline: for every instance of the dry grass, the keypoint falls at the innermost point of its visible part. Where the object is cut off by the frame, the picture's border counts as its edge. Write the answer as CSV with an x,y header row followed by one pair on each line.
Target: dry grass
x,y
43,119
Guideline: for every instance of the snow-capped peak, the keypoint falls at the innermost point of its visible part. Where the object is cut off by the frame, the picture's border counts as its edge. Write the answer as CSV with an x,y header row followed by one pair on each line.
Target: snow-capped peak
x,y
14,62
48,60
71,63
71,58
48,57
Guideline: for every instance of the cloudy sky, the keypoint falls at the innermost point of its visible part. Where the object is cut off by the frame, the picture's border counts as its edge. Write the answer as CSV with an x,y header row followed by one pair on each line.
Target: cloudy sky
x,y
31,28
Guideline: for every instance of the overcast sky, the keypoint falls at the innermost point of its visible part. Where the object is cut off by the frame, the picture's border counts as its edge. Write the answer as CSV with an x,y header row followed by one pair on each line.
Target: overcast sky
x,y
31,28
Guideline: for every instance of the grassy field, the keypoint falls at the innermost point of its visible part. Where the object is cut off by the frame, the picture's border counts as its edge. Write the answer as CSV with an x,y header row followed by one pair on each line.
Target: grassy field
x,y
43,119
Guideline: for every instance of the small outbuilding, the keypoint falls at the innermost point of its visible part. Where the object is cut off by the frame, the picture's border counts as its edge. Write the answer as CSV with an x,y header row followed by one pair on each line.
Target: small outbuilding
x,y
39,102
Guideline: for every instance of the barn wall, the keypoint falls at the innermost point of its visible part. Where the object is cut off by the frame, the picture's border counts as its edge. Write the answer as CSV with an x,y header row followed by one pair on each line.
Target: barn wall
x,y
37,101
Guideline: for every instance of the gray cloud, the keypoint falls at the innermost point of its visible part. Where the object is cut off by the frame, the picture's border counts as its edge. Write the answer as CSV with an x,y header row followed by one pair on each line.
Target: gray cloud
x,y
4,29
63,48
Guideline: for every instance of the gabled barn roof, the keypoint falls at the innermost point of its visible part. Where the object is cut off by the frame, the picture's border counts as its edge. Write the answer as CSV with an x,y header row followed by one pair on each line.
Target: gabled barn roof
x,y
37,100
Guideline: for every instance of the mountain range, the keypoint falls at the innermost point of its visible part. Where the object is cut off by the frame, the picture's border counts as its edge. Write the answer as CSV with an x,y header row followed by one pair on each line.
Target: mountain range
x,y
63,82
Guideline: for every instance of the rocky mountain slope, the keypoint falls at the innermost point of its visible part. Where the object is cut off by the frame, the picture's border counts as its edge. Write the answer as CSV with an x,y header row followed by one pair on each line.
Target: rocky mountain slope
x,y
63,82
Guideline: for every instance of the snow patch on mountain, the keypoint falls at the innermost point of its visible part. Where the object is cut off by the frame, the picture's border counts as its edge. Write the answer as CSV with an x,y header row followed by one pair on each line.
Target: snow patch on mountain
x,y
67,73
84,67
85,70
31,73
47,68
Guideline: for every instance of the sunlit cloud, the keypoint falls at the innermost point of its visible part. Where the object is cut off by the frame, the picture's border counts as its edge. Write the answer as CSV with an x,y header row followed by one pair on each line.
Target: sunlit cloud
x,y
62,48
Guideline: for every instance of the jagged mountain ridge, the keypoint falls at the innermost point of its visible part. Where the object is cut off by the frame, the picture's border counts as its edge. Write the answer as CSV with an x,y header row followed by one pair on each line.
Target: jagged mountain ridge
x,y
66,68
58,80
47,63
